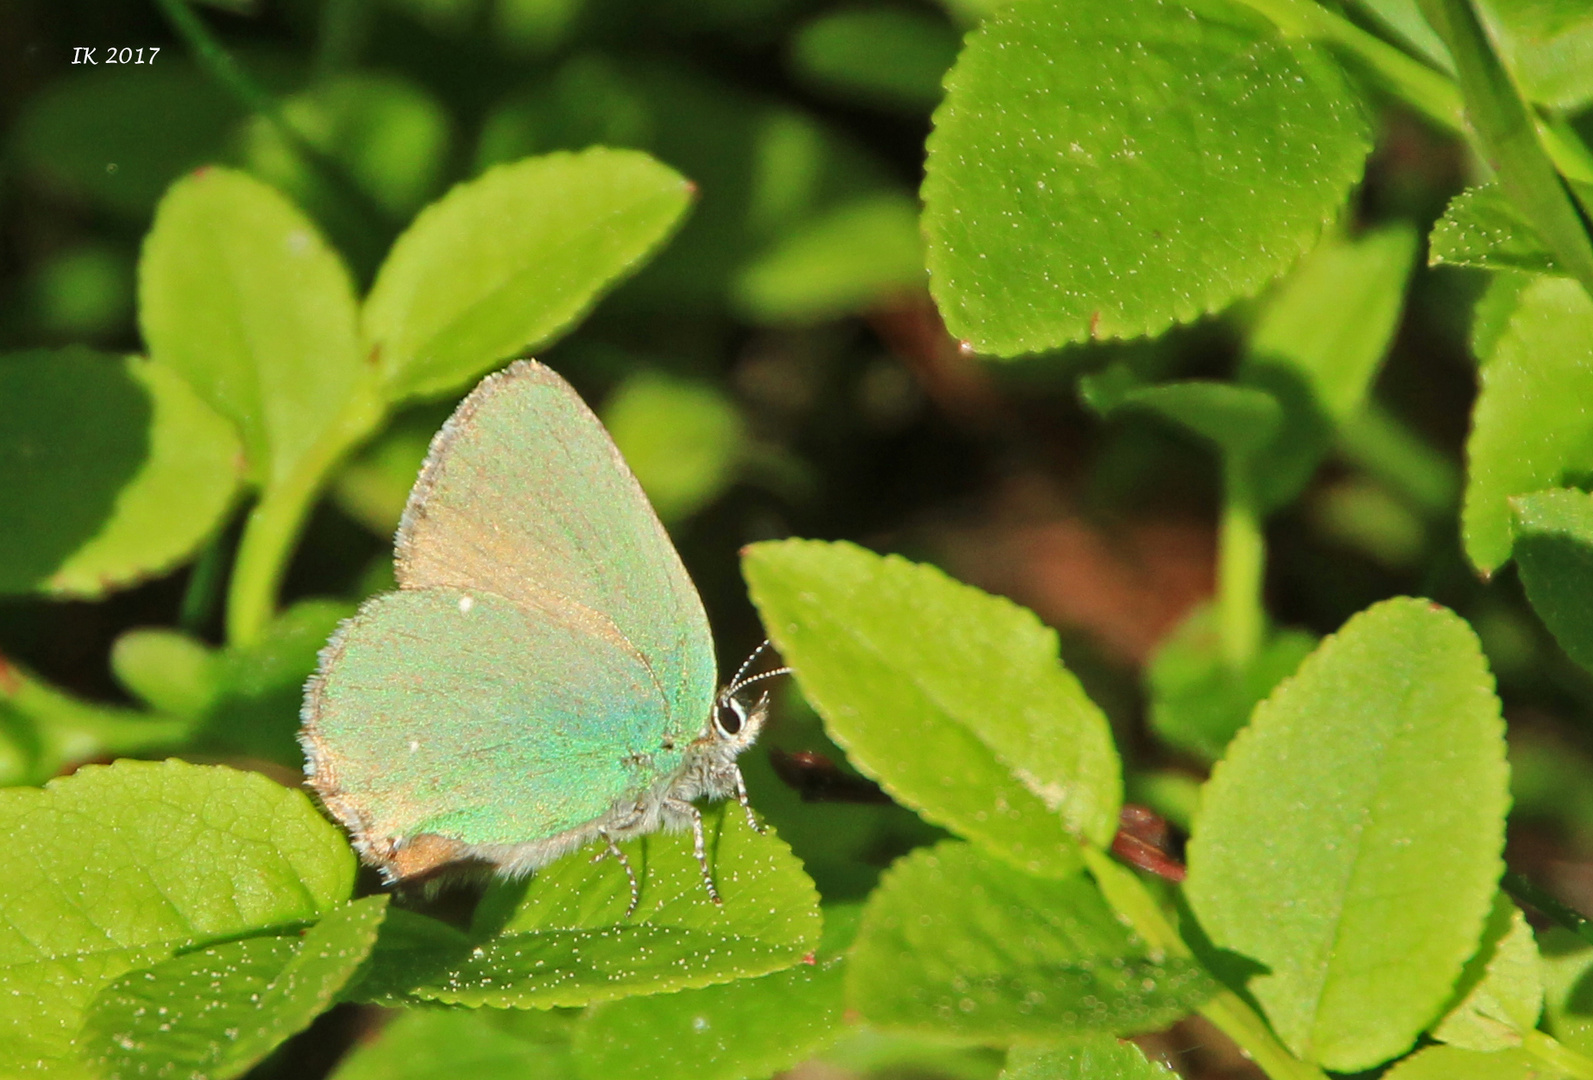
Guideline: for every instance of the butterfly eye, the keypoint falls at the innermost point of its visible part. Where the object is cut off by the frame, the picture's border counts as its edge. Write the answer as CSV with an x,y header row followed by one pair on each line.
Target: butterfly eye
x,y
730,717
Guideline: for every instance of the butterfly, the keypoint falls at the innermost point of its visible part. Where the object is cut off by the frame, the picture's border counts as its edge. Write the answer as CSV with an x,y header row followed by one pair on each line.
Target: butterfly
x,y
544,675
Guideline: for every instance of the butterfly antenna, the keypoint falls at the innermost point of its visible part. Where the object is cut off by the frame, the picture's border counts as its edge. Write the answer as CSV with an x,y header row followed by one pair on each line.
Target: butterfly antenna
x,y
735,680
741,684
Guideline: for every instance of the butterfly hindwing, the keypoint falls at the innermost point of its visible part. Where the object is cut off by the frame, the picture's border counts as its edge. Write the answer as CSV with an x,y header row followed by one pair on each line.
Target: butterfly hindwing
x,y
482,721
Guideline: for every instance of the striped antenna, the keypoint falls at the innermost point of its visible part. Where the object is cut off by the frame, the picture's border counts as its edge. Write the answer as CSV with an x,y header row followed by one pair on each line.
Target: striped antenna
x,y
737,687
742,680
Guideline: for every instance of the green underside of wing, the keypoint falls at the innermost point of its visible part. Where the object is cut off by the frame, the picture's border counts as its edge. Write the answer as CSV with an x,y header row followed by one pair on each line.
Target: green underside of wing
x,y
469,716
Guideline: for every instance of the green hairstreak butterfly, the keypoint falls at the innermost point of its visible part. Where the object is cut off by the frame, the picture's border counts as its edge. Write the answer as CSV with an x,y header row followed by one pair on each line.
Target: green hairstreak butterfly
x,y
543,677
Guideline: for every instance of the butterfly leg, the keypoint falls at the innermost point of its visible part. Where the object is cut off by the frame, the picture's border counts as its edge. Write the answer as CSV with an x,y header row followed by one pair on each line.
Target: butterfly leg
x,y
616,854
699,843
746,806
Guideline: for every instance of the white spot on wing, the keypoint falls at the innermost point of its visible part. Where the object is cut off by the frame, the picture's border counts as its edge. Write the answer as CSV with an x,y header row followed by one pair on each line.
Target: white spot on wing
x,y
465,604
413,746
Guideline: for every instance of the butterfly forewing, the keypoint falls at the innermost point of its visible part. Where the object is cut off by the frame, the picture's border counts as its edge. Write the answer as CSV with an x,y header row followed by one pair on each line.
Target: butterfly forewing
x,y
524,495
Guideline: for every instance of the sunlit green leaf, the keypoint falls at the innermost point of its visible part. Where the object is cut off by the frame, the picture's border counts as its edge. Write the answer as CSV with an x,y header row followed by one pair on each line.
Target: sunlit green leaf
x,y
1550,44
564,938
959,944
1491,315
752,1027
1404,18
1034,760
1481,227
1330,848
120,867
219,1010
1567,973
240,295
1453,1063
1554,550
382,146
1529,428
869,1051
506,262
1108,171
1500,991
1504,129
1096,1058
836,821
111,471
427,1044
